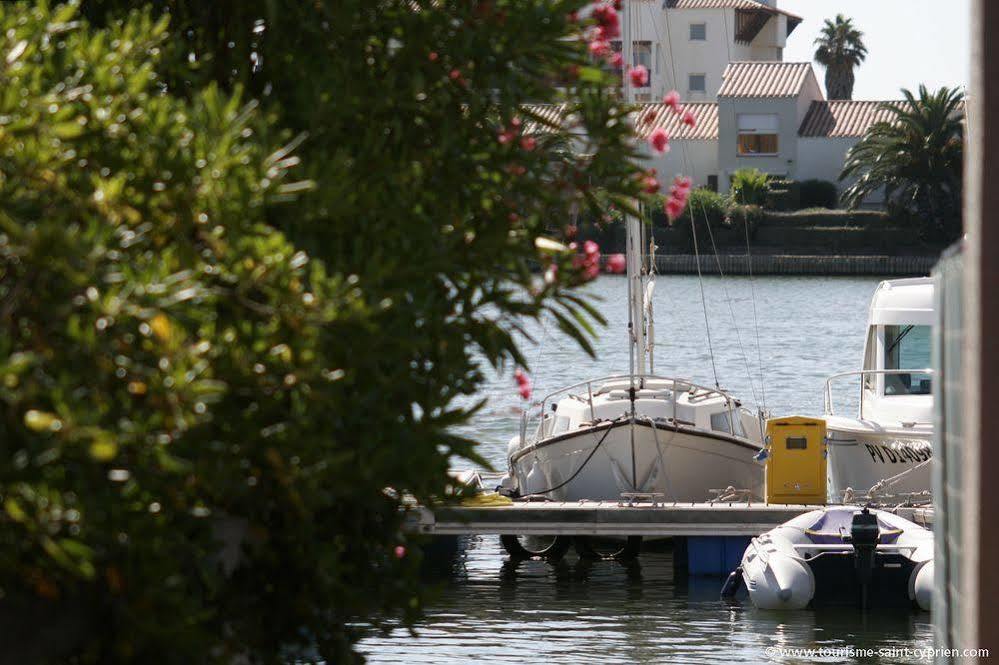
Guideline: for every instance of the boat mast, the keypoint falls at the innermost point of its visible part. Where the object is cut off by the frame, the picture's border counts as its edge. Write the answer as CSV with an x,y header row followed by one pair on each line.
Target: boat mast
x,y
633,228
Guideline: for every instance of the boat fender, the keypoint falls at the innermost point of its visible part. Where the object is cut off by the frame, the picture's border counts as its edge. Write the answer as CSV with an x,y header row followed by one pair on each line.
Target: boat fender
x,y
732,584
786,584
921,585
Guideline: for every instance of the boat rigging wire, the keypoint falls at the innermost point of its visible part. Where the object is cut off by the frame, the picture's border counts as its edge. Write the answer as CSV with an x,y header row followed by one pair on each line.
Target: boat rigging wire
x,y
704,303
585,461
687,164
728,300
756,324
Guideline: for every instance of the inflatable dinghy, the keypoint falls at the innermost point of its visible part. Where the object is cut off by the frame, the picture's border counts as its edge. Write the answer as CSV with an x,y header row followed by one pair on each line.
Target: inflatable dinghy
x,y
841,555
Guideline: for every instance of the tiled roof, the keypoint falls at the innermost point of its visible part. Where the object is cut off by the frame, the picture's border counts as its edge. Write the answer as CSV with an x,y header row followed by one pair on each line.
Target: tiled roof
x,y
540,117
705,121
763,79
725,4
842,118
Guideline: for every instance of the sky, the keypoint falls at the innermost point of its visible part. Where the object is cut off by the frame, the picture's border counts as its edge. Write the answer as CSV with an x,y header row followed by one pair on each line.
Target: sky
x,y
908,42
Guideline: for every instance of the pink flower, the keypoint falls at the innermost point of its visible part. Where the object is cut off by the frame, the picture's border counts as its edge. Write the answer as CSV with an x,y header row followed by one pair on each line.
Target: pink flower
x,y
515,122
659,140
608,32
589,261
616,264
600,47
672,100
650,185
400,551
674,208
682,184
610,24
523,383
639,76
432,56
528,143
616,60
505,136
688,119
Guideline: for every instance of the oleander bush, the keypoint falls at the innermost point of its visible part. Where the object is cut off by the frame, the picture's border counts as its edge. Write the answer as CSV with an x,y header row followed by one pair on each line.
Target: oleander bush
x,y
251,254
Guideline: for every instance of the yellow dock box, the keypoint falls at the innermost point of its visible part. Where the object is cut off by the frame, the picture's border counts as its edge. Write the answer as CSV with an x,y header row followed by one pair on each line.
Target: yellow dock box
x,y
796,460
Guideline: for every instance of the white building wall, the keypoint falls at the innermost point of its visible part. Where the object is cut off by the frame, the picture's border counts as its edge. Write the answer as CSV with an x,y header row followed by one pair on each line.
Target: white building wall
x,y
790,112
729,159
675,57
695,159
822,158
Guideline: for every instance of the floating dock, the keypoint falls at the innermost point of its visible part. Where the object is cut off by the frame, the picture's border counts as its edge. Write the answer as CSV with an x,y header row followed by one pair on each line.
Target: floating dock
x,y
615,519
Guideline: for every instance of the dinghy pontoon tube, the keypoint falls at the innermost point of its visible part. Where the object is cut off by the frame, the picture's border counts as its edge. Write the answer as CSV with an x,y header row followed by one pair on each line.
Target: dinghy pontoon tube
x,y
842,555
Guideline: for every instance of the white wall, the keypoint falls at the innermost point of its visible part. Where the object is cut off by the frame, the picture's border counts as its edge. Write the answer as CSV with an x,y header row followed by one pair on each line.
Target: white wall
x,y
823,158
669,32
695,159
790,112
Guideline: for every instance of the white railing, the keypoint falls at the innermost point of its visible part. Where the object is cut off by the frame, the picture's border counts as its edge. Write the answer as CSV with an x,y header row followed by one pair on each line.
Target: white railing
x,y
674,386
828,400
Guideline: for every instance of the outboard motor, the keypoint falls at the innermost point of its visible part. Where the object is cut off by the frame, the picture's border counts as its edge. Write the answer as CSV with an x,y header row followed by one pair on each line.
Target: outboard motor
x,y
864,536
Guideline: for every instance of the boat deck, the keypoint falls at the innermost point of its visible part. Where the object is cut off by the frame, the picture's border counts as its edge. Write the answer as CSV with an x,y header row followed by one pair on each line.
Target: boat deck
x,y
613,518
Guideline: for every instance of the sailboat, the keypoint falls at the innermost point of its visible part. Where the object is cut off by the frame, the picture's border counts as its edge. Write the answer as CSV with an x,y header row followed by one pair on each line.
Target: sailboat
x,y
637,433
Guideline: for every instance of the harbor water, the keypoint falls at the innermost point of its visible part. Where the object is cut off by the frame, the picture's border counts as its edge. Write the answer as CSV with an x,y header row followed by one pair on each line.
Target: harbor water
x,y
488,609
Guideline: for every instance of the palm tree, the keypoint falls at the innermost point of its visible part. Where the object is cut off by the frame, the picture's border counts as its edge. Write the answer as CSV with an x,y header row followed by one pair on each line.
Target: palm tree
x,y
916,156
840,50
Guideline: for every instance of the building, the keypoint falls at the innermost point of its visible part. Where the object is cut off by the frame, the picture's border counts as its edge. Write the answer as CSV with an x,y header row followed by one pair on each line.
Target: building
x,y
686,44
770,116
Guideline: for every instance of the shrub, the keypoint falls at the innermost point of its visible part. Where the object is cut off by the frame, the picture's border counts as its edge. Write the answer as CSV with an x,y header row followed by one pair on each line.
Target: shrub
x,y
706,203
817,194
177,368
740,216
782,195
749,187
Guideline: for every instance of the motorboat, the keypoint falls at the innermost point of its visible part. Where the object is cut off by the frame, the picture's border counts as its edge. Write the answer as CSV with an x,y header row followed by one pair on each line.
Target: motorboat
x,y
886,449
841,555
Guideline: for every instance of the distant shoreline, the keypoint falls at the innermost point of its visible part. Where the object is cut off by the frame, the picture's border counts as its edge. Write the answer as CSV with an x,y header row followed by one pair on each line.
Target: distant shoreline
x,y
796,264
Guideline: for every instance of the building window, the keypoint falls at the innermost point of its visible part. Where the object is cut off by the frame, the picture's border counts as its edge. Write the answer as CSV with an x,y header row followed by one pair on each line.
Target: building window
x,y
697,83
713,182
758,134
643,55
698,32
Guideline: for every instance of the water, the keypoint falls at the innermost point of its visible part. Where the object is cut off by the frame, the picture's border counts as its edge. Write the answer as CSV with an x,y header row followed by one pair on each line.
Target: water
x,y
490,610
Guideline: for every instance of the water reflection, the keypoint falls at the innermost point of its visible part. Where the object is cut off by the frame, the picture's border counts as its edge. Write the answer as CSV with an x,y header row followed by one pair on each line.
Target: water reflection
x,y
492,610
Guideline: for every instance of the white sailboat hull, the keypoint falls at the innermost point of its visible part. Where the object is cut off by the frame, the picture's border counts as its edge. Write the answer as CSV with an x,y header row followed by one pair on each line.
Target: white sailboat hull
x,y
602,462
